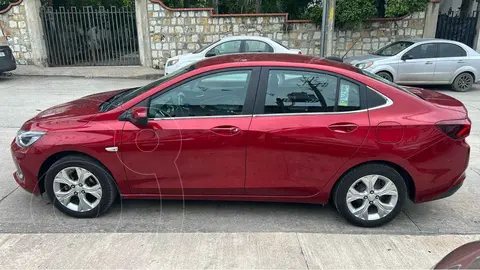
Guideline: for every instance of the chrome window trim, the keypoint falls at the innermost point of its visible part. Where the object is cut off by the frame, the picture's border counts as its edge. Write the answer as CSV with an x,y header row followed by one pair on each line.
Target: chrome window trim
x,y
201,117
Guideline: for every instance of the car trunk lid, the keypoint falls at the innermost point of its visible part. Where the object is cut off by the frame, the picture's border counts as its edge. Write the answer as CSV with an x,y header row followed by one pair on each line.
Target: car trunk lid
x,y
440,100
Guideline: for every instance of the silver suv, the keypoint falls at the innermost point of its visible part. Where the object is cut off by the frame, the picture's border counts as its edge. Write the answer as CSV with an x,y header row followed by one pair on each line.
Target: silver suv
x,y
424,61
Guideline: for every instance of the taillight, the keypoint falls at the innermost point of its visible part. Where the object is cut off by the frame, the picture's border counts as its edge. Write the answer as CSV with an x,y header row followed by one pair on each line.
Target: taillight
x,y
455,129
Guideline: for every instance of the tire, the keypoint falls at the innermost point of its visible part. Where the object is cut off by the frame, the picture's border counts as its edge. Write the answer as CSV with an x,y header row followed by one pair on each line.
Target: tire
x,y
97,187
356,178
385,75
463,82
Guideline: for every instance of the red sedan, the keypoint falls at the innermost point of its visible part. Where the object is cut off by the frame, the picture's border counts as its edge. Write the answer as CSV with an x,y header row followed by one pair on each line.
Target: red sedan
x,y
258,127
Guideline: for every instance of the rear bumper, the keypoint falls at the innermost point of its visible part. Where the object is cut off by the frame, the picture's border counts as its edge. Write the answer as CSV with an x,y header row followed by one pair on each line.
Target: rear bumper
x,y
452,190
443,172
7,62
7,65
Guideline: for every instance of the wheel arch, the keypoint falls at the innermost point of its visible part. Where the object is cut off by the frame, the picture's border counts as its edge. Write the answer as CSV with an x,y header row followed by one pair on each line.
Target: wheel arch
x,y
402,171
465,69
57,156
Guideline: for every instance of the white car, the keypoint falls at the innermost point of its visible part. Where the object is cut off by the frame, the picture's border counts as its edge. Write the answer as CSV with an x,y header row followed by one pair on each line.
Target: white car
x,y
424,61
228,45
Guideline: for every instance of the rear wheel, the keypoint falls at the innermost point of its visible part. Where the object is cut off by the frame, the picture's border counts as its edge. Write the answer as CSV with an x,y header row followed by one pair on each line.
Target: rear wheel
x,y
370,195
463,82
80,187
385,75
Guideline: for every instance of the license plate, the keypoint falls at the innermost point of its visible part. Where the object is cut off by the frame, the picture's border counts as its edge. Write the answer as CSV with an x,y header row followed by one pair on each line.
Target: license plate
x,y
2,54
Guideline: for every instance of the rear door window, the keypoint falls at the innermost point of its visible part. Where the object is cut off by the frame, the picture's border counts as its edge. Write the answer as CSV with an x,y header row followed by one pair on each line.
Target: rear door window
x,y
257,46
450,50
292,91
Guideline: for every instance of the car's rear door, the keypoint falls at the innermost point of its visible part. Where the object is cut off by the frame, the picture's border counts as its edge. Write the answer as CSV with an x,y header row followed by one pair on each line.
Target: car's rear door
x,y
306,125
450,58
195,141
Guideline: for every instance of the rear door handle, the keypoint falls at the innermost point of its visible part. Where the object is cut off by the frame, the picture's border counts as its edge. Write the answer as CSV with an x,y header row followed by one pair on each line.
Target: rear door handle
x,y
428,63
461,61
343,127
226,130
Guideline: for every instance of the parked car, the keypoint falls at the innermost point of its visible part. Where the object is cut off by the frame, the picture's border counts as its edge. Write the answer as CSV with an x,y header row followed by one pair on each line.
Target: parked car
x,y
424,61
228,45
253,127
464,257
7,60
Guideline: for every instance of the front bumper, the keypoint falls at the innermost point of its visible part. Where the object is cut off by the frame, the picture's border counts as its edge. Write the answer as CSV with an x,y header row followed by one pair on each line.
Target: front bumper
x,y
27,166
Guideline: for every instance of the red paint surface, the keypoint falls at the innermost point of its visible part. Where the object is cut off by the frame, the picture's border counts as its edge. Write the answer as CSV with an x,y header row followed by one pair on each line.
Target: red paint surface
x,y
269,158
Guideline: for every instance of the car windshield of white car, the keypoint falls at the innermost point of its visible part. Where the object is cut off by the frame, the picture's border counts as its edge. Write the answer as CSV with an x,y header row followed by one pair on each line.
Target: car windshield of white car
x,y
204,47
125,96
394,48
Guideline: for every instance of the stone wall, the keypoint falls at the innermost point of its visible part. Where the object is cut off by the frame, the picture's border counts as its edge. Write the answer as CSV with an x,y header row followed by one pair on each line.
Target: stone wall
x,y
14,32
376,34
178,31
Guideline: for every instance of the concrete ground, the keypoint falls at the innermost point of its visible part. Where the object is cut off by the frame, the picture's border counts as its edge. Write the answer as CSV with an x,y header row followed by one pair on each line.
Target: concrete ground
x,y
199,234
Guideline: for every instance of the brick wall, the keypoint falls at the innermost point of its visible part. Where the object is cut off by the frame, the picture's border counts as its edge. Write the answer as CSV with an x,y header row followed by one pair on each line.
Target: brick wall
x,y
13,31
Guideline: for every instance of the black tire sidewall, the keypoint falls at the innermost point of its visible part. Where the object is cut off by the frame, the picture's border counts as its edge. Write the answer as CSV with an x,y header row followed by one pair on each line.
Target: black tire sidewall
x,y
106,181
383,72
455,83
340,193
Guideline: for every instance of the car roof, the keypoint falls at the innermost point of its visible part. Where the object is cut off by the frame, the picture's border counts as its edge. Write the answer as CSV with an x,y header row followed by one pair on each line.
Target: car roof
x,y
271,58
246,37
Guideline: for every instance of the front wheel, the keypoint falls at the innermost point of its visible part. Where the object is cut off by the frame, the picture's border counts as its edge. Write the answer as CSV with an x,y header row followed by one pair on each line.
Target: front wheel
x,y
370,195
80,187
463,82
385,75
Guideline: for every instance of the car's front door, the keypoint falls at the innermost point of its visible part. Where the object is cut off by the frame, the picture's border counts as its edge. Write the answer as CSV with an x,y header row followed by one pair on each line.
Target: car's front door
x,y
450,58
306,125
196,136
419,66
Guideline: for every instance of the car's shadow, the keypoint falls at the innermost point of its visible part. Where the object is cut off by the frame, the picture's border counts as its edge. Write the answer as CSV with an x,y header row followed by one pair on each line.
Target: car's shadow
x,y
188,216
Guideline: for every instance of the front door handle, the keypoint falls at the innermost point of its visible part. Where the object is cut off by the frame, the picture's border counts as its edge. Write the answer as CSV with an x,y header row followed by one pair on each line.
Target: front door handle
x,y
343,127
428,63
226,130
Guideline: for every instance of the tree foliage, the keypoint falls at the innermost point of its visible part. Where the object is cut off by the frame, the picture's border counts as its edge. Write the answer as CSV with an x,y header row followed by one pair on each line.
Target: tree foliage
x,y
398,8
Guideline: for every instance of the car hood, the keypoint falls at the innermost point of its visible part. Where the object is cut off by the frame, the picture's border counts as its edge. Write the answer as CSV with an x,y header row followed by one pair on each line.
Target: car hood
x,y
78,112
364,58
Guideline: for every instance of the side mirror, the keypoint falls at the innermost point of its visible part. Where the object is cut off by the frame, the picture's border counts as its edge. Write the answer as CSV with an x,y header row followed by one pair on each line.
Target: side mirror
x,y
210,54
138,116
407,57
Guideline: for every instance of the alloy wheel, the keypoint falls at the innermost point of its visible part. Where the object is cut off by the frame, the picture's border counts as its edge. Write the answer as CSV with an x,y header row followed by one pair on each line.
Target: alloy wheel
x,y
77,189
465,82
372,197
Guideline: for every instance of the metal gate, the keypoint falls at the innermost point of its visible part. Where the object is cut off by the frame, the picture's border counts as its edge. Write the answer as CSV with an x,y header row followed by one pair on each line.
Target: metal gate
x,y
453,27
90,36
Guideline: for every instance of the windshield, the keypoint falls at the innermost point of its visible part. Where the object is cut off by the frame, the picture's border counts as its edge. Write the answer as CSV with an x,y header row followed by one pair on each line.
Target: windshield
x,y
125,96
378,78
394,48
204,47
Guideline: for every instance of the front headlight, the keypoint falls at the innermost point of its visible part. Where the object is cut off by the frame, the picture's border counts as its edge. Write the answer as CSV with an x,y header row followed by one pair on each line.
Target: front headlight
x,y
26,138
172,62
364,65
